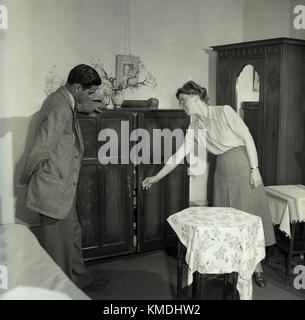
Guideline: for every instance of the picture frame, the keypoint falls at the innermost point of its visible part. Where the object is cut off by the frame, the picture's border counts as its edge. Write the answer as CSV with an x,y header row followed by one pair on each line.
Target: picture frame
x,y
126,67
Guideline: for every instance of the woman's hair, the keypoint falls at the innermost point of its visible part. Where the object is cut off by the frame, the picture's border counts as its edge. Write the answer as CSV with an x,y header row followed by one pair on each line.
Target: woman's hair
x,y
192,87
85,75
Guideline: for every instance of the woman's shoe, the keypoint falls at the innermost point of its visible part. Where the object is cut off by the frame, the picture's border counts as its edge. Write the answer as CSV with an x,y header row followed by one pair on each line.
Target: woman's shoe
x,y
260,280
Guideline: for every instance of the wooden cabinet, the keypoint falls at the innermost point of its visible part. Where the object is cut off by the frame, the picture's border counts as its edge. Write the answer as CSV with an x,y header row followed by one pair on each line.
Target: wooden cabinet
x,y
116,215
277,121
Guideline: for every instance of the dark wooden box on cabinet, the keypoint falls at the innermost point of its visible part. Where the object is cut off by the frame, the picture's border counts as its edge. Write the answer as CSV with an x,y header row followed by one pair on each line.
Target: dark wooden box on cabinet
x,y
116,215
279,129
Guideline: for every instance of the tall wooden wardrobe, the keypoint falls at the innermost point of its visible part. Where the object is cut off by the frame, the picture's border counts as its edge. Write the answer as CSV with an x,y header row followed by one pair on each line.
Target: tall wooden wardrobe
x,y
277,120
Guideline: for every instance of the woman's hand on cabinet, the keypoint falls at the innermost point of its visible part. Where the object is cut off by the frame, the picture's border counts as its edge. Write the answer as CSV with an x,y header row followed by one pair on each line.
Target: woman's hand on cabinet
x,y
149,181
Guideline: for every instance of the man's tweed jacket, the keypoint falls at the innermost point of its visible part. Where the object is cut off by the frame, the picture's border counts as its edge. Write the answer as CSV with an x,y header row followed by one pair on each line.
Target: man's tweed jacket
x,y
52,167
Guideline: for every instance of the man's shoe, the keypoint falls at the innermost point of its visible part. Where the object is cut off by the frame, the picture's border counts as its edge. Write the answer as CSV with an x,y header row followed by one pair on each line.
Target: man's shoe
x,y
97,284
260,280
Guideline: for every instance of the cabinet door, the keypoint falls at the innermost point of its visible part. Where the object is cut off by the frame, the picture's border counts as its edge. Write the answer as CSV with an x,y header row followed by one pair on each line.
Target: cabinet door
x,y
105,199
151,216
169,195
115,209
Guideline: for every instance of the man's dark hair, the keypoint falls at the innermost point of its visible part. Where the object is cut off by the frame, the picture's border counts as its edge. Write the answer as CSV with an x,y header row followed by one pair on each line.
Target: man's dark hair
x,y
84,75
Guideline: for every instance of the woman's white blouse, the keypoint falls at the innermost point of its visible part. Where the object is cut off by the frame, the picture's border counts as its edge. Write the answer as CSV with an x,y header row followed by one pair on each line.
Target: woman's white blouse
x,y
222,130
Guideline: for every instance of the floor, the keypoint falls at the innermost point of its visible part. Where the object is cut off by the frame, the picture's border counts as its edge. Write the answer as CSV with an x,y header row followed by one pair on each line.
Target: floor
x,y
152,276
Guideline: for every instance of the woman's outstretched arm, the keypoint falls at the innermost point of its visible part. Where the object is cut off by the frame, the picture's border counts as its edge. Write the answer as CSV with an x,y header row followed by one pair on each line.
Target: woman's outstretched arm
x,y
168,167
173,161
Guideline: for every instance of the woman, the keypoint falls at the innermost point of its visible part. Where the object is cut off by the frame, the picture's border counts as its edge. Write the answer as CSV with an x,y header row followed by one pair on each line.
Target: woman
x,y
237,182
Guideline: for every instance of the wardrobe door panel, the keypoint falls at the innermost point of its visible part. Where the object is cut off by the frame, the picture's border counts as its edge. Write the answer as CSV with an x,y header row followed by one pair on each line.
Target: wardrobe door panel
x,y
271,116
115,209
292,121
150,211
105,194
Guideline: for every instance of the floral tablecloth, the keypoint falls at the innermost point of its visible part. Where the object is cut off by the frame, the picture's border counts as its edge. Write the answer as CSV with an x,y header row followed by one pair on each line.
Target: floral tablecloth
x,y
221,240
287,205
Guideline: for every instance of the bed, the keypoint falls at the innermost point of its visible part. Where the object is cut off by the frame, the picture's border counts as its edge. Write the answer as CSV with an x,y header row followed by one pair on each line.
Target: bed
x,y
31,272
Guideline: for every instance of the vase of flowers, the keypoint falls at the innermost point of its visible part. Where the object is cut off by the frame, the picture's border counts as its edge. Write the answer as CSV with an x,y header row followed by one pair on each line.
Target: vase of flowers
x,y
117,98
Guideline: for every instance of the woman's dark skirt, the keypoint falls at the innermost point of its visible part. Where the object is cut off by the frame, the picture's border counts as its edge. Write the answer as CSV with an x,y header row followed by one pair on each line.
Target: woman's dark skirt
x,y
232,188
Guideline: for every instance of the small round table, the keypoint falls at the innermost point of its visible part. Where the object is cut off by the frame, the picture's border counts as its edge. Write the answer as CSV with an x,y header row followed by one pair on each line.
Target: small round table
x,y
221,241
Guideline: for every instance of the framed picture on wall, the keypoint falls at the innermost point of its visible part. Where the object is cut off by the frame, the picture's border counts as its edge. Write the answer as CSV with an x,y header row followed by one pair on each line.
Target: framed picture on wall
x,y
126,69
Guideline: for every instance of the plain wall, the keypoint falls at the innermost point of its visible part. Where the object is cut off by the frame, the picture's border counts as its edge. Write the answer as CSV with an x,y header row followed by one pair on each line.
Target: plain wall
x,y
266,19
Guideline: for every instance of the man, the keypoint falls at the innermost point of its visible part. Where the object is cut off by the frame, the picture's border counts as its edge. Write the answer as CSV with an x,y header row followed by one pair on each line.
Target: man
x,y
52,169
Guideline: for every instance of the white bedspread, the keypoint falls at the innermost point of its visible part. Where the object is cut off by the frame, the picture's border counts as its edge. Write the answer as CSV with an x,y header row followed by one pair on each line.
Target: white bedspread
x,y
29,265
